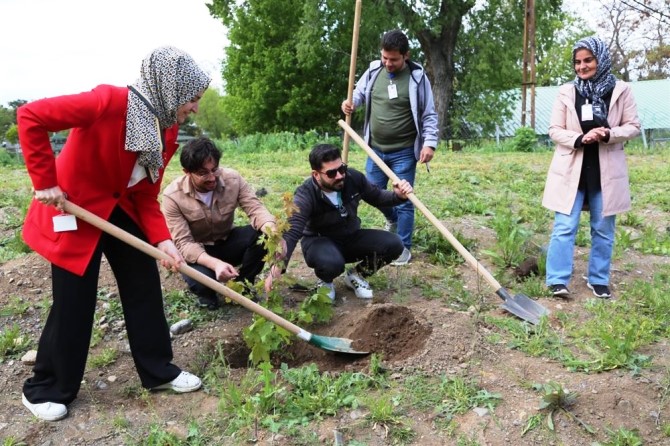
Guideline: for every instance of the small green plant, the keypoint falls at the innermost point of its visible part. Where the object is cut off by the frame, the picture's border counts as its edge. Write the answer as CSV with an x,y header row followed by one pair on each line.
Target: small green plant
x,y
460,395
464,440
554,399
631,219
624,240
652,241
533,422
383,411
12,342
623,437
11,441
103,359
15,307
511,239
525,140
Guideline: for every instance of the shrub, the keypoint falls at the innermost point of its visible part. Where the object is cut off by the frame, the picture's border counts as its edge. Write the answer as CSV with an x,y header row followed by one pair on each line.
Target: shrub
x,y
525,139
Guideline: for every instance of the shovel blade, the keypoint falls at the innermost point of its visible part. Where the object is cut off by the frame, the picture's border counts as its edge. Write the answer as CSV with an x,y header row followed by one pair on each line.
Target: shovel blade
x,y
338,345
522,306
530,305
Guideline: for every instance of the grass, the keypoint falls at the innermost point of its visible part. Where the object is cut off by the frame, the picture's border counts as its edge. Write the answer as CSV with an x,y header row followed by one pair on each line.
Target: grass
x,y
485,189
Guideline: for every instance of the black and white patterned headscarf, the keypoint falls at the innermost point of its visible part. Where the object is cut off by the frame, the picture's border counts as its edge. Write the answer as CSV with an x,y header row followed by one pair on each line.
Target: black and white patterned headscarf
x,y
602,82
169,78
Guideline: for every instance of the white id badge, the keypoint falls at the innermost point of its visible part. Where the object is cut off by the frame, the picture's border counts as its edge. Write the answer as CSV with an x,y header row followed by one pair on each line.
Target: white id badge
x,y
393,91
65,222
587,112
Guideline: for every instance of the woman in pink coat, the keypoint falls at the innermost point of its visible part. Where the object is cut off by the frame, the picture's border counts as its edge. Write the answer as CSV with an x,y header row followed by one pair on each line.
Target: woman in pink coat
x,y
121,138
592,118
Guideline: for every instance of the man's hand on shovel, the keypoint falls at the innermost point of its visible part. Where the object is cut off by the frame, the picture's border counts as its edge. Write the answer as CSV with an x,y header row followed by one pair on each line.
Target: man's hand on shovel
x,y
402,189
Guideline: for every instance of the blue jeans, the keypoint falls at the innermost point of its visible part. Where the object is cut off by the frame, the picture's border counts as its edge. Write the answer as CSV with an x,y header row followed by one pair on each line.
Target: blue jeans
x,y
561,247
403,164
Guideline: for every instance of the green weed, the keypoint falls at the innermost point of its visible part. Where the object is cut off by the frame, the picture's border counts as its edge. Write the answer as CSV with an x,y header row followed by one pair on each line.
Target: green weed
x,y
106,357
511,247
554,399
655,242
12,342
15,307
623,437
12,441
384,411
631,219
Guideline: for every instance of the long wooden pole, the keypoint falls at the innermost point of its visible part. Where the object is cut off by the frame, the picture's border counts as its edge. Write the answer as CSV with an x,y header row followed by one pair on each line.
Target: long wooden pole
x,y
193,273
352,75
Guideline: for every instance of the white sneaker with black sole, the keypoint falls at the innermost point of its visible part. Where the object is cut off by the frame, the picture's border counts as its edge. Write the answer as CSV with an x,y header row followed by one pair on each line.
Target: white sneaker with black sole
x,y
360,286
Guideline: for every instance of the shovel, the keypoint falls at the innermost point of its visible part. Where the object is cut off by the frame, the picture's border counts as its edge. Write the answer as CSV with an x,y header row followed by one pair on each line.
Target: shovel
x,y
519,305
340,345
352,74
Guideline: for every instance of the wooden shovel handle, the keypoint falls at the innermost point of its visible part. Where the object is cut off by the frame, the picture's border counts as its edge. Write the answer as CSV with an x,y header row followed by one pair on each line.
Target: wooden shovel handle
x,y
352,76
478,267
157,254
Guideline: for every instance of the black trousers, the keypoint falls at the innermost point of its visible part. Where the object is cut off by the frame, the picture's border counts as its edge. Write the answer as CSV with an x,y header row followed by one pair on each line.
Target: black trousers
x,y
64,343
374,248
241,248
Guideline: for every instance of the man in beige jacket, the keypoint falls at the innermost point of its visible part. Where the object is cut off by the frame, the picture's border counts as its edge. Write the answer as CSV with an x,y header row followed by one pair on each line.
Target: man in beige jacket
x,y
200,209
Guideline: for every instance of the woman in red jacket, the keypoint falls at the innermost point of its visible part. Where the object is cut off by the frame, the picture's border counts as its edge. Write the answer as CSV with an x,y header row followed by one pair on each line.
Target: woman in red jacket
x,y
121,138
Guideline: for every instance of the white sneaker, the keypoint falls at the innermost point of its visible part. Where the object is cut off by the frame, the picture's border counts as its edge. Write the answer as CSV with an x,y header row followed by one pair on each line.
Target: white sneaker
x,y
185,382
360,286
46,411
403,259
391,226
329,286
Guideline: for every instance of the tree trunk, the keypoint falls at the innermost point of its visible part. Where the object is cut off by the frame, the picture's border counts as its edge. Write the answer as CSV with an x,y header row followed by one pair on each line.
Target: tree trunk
x,y
439,52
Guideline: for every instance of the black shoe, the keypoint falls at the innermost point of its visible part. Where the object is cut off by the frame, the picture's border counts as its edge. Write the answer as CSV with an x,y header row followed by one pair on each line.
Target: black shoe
x,y
601,291
559,290
211,303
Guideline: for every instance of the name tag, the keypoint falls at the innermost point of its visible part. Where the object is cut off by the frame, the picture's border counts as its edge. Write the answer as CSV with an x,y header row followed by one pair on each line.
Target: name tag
x,y
393,91
65,222
587,112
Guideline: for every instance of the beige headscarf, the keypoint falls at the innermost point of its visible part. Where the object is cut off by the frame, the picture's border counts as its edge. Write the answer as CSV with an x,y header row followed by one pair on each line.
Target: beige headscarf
x,y
169,78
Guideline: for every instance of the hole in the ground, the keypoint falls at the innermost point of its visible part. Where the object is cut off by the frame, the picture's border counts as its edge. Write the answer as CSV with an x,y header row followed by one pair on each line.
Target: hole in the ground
x,y
389,330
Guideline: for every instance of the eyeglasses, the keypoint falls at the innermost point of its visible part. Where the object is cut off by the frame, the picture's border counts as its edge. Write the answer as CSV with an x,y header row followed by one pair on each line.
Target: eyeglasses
x,y
332,173
205,173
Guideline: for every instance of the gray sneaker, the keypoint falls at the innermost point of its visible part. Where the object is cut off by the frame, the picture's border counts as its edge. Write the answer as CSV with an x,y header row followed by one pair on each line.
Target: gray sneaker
x,y
404,258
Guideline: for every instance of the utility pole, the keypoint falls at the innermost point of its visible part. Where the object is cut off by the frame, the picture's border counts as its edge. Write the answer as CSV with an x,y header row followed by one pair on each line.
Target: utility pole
x,y
528,77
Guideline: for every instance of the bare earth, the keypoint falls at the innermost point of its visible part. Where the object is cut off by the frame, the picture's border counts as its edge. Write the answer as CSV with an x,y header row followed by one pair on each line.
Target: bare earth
x,y
412,332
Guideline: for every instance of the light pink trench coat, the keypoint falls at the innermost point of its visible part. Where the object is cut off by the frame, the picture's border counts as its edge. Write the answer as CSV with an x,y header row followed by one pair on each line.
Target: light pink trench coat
x,y
566,166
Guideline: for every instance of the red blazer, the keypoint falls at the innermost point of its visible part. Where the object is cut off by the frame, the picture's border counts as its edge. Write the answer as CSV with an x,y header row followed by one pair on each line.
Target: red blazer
x,y
93,169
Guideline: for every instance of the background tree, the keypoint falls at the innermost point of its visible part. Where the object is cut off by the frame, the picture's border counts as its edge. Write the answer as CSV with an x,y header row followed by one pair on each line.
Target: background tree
x,y
12,134
8,115
638,33
287,65
7,118
211,116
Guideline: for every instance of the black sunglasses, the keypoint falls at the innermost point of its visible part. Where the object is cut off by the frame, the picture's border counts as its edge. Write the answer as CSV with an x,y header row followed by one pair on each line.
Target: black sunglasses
x,y
332,173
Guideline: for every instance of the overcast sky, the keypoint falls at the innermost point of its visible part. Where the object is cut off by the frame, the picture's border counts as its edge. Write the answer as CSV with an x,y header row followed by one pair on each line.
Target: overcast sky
x,y
54,47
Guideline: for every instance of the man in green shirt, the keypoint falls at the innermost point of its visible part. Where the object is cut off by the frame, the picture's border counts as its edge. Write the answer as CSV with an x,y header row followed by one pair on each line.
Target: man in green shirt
x,y
400,125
